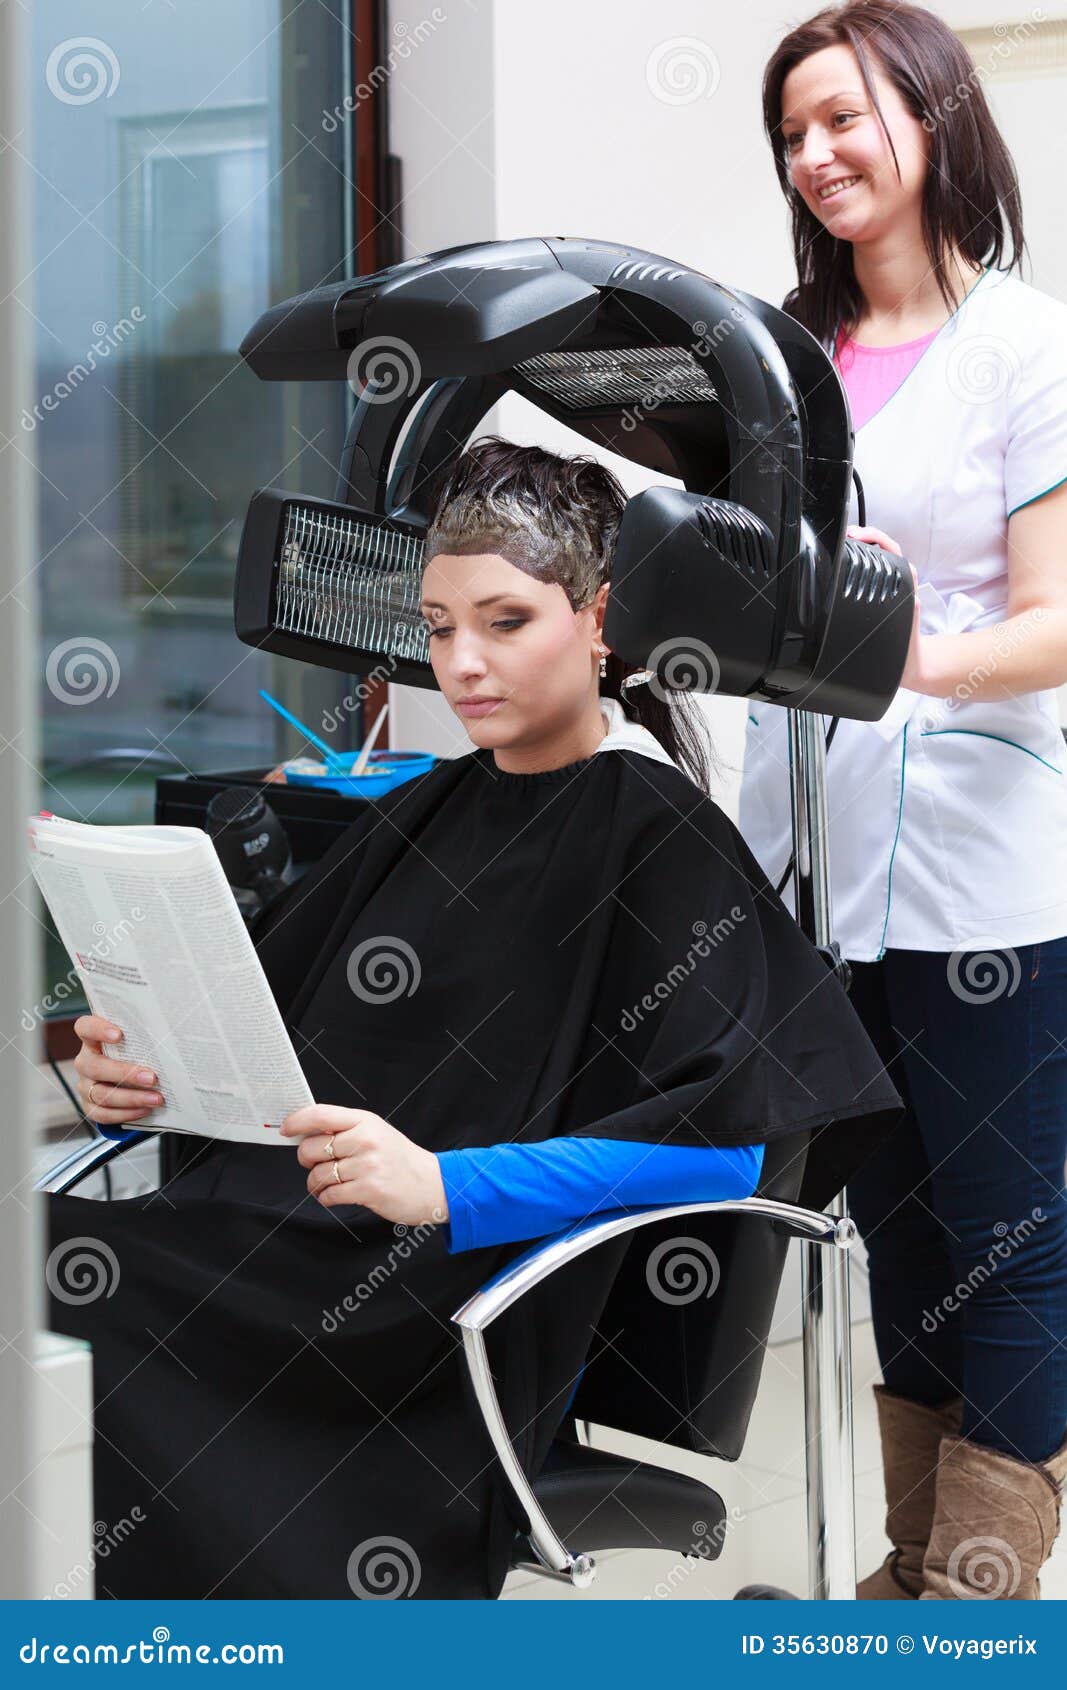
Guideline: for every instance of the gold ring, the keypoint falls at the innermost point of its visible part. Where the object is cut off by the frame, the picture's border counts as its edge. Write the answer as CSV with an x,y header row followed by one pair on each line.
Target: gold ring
x,y
331,1153
92,1100
337,1173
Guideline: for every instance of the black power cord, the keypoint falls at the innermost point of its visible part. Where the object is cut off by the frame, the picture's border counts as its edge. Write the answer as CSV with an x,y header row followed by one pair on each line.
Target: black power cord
x,y
861,508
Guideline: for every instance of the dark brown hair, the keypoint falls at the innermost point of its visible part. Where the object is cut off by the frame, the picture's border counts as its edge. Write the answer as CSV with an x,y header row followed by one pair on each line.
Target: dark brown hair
x,y
558,518
970,196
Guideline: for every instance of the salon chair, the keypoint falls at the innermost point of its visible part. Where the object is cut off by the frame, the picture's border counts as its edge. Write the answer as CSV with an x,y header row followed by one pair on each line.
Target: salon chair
x,y
687,1371
742,581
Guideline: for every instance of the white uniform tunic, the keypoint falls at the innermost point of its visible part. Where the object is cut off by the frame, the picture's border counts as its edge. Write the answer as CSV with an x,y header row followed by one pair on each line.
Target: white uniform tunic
x,y
948,817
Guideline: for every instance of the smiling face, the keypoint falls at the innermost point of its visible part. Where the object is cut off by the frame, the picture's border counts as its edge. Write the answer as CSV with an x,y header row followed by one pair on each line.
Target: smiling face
x,y
832,134
527,649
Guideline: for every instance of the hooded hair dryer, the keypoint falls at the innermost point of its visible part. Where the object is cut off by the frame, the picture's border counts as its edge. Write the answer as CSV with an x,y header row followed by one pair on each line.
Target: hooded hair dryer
x,y
739,581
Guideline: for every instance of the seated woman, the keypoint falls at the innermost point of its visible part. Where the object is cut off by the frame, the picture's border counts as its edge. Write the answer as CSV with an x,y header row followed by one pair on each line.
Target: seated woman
x,y
546,979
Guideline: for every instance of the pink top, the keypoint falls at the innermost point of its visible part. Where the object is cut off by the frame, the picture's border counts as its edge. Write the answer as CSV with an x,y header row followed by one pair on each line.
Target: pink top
x,y
872,373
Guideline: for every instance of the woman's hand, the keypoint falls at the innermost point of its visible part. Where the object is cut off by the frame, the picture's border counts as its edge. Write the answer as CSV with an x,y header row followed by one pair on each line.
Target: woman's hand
x,y
913,677
121,1091
372,1163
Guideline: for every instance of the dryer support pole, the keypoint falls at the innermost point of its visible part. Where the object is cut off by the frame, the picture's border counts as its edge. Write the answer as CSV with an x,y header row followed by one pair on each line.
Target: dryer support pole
x,y
824,1279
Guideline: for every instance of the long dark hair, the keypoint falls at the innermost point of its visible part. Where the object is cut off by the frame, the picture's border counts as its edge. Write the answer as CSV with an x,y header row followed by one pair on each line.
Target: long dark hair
x,y
971,193
558,519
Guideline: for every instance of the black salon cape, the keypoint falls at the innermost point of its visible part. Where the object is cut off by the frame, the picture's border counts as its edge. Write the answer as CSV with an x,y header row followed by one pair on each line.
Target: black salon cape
x,y
481,957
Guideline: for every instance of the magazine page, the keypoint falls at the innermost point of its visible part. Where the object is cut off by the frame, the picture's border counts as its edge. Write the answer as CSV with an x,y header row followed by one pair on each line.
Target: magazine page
x,y
163,952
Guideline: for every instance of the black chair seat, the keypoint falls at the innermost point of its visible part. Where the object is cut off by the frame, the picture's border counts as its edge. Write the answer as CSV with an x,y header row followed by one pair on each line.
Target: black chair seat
x,y
598,1501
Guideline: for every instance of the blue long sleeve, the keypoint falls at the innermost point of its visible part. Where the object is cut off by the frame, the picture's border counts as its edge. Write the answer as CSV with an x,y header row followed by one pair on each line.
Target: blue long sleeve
x,y
503,1193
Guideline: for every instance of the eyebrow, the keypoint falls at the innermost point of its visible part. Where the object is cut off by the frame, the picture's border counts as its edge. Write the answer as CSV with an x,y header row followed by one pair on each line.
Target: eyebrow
x,y
432,604
842,94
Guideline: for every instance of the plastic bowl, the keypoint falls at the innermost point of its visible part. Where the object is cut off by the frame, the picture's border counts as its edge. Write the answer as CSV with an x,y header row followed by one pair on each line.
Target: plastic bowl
x,y
385,769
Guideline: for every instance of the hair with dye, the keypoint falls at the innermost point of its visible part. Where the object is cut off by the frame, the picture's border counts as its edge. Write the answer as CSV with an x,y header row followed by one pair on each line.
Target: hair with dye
x,y
557,519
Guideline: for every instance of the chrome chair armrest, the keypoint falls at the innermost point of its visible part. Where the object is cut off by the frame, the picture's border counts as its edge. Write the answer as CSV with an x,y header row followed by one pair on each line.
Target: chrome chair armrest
x,y
545,1258
87,1157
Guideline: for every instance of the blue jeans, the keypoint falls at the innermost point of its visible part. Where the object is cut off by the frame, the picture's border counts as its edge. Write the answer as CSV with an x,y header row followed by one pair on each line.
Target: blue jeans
x,y
963,1210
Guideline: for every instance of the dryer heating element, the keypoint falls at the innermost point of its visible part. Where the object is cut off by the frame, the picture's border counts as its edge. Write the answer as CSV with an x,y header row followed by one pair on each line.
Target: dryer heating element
x,y
313,570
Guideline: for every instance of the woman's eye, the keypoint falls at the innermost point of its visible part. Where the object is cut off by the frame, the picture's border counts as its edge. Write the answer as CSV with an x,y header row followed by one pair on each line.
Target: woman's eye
x,y
512,622
797,135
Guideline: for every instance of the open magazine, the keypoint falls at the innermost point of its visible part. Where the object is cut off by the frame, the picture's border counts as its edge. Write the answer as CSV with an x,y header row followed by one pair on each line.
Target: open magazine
x,y
163,953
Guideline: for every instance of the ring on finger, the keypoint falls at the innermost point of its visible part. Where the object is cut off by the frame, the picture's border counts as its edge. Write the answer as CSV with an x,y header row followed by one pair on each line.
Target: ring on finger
x,y
93,1104
330,1151
337,1174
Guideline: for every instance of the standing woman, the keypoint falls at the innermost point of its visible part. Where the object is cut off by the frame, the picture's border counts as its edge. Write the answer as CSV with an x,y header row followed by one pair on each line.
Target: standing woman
x,y
948,817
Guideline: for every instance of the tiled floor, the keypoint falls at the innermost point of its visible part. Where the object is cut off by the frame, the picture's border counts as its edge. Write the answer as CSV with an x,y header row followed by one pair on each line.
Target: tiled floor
x,y
768,1544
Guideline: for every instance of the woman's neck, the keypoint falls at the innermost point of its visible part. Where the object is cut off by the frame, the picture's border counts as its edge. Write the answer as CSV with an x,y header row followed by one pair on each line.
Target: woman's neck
x,y
579,741
902,300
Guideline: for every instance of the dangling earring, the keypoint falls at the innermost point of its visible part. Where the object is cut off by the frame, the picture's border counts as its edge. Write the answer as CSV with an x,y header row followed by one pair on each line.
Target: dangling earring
x,y
603,663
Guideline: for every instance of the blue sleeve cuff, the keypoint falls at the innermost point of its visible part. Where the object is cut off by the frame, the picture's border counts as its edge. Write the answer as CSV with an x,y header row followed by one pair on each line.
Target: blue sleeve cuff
x,y
508,1193
458,1229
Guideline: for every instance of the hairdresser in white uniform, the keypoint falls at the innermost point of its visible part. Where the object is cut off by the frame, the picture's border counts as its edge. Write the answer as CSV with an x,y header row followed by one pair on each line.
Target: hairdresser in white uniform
x,y
948,817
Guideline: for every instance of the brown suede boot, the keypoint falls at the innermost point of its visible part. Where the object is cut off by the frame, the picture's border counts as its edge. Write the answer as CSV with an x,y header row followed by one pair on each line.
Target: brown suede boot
x,y
995,1521
911,1434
